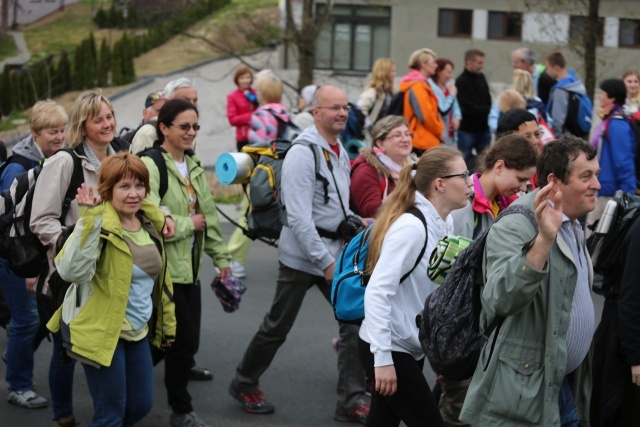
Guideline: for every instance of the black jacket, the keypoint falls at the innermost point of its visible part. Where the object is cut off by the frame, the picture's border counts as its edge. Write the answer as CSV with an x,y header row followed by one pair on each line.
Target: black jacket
x,y
475,101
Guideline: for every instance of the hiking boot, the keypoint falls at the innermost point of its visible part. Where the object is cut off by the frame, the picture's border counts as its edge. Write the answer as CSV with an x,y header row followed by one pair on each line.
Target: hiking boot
x,y
200,374
358,415
237,270
65,422
187,420
27,399
253,402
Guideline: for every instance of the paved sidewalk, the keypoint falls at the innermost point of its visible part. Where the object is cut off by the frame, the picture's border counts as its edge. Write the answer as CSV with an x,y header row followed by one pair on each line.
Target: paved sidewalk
x,y
23,52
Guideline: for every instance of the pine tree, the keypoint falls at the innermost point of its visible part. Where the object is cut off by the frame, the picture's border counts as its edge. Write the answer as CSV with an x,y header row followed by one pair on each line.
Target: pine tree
x,y
91,65
116,64
104,64
6,100
128,69
62,79
78,81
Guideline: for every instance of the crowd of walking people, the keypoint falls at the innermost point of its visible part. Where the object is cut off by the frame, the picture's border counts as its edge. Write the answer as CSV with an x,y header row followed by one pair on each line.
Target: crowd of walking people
x,y
126,223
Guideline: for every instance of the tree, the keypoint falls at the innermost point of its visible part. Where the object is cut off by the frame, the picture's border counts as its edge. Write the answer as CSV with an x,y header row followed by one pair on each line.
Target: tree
x,y
583,47
6,101
62,76
104,64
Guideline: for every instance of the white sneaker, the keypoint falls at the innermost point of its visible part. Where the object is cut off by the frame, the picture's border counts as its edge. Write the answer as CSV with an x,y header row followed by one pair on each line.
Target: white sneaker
x,y
27,399
237,270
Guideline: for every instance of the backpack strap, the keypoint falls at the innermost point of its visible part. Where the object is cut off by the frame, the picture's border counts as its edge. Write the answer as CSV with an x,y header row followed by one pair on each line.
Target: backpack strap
x,y
19,159
77,179
317,160
155,154
418,214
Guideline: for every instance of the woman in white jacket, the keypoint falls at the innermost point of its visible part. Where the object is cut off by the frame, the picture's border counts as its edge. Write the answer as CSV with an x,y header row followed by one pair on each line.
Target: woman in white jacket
x,y
389,345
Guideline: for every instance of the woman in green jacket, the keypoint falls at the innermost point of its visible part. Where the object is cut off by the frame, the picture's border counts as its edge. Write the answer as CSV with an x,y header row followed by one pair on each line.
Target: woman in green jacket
x,y
197,229
117,266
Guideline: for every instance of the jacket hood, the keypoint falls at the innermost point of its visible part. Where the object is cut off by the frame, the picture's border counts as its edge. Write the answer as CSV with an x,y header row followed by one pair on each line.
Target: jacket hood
x,y
150,212
413,77
367,156
480,203
572,84
28,148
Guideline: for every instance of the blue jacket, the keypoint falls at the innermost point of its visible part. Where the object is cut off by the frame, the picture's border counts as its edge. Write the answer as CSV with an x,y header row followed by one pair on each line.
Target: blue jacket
x,y
27,149
617,158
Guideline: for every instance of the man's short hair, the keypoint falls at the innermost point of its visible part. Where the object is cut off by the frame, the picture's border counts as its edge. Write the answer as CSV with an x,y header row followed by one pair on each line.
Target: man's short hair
x,y
557,59
172,86
557,157
510,121
525,54
472,54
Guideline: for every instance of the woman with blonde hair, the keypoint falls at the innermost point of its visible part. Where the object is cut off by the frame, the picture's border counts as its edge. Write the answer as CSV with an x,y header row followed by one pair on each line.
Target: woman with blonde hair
x,y
632,82
120,300
47,123
389,346
91,137
374,101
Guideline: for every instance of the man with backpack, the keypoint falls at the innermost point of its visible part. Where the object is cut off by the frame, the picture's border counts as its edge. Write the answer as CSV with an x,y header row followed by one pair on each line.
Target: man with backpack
x,y
145,133
315,226
535,368
569,106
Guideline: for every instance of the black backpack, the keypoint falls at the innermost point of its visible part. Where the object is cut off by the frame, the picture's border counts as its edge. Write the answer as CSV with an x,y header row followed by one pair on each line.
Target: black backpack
x,y
155,153
396,106
449,325
354,128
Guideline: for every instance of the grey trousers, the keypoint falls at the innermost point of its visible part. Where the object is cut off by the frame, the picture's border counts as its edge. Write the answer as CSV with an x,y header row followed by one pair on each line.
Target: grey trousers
x,y
290,292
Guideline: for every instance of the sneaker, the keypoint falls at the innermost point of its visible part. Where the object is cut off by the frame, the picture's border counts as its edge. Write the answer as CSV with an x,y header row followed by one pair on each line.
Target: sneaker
x,y
237,270
187,420
200,374
65,422
253,402
358,415
27,399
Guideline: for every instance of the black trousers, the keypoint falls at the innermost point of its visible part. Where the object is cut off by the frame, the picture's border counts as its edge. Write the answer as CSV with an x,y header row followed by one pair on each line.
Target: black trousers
x,y
178,358
412,403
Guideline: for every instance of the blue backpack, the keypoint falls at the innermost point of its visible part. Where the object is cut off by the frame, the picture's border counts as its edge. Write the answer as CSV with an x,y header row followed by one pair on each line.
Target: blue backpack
x,y
355,125
350,279
579,112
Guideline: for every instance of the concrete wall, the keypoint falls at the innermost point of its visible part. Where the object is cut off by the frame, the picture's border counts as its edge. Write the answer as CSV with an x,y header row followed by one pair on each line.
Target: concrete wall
x,y
29,11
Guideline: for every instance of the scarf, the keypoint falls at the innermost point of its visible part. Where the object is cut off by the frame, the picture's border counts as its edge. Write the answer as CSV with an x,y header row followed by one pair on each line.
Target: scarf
x,y
394,168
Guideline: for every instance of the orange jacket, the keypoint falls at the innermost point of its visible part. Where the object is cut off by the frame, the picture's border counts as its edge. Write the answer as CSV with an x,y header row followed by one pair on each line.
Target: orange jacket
x,y
421,111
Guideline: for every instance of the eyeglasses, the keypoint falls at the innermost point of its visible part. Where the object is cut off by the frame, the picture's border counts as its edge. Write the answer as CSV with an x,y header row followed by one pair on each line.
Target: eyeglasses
x,y
186,126
464,175
336,108
397,136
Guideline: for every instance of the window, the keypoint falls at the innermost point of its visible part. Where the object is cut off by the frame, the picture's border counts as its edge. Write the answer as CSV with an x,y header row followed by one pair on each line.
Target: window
x,y
578,28
455,23
505,25
354,37
629,33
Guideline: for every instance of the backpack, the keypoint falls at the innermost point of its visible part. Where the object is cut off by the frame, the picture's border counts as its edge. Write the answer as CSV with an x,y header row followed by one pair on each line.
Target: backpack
x,y
127,134
396,106
579,111
266,213
355,125
634,122
605,243
449,325
25,254
286,129
155,153
350,280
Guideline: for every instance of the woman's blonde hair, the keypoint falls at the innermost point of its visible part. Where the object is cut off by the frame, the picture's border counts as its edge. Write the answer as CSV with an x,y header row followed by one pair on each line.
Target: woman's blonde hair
x,y
511,99
432,165
86,107
419,56
47,114
523,84
632,72
269,88
381,76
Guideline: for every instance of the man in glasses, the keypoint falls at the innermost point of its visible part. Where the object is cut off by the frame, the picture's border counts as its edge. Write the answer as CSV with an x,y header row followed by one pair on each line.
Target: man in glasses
x,y
307,250
536,368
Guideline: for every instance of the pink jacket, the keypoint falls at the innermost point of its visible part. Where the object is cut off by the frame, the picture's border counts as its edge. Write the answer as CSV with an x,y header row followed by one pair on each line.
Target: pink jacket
x,y
239,110
264,125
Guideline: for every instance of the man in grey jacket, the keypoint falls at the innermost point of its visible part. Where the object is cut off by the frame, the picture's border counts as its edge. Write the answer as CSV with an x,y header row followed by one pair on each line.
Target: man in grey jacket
x,y
307,250
536,369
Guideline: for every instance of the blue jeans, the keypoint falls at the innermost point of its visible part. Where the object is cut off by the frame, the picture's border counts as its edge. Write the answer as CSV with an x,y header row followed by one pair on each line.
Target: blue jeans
x,y
467,141
123,392
568,414
24,326
61,370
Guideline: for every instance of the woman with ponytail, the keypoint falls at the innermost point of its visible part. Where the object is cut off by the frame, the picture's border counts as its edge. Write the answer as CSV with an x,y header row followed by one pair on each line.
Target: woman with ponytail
x,y
389,345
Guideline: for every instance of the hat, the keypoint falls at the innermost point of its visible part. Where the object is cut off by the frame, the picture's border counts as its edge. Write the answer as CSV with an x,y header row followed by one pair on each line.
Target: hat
x,y
307,93
153,97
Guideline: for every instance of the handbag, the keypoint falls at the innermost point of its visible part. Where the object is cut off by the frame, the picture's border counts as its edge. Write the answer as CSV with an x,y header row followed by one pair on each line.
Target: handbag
x,y
444,255
229,292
